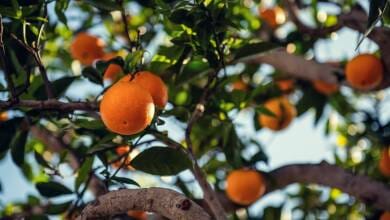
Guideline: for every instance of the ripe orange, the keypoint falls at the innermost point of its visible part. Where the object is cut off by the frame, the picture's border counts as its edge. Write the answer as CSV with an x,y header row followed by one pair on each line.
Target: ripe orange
x,y
285,85
127,108
284,113
153,84
239,85
87,48
385,216
137,214
124,149
112,70
273,16
244,186
3,116
364,72
325,88
384,162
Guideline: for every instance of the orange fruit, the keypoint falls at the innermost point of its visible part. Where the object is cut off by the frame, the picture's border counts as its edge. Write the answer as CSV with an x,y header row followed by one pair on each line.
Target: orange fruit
x,y
285,85
364,72
153,84
3,116
87,48
384,162
112,70
127,108
244,186
385,216
325,88
239,85
124,149
137,214
273,16
284,113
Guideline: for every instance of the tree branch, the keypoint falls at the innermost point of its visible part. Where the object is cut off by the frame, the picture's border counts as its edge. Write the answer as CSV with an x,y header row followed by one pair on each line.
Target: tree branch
x,y
368,191
165,202
50,105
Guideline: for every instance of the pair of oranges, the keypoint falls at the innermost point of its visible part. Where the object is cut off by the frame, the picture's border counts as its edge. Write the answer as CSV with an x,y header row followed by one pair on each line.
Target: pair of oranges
x,y
87,48
128,106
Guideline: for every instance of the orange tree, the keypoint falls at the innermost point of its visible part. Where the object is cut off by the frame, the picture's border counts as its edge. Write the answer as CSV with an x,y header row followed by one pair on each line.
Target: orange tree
x,y
114,87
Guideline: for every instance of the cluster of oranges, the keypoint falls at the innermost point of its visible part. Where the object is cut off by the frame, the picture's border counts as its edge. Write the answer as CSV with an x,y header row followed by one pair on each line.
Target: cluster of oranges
x,y
128,106
87,48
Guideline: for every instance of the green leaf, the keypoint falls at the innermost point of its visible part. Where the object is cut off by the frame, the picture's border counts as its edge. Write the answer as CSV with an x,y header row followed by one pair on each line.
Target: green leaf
x,y
18,147
125,180
92,75
58,86
55,209
231,145
271,213
161,161
89,124
108,5
40,160
265,111
52,189
254,49
83,172
7,132
60,7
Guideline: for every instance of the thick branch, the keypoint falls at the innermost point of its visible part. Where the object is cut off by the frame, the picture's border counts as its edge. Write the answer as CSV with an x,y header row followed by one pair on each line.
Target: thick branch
x,y
368,191
165,202
50,105
296,66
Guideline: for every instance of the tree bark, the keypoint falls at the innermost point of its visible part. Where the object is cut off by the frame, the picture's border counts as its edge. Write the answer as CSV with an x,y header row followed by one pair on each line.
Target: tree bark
x,y
166,202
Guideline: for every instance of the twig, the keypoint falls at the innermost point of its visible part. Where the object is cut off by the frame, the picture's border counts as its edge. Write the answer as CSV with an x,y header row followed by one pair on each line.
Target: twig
x,y
37,57
3,61
124,21
50,105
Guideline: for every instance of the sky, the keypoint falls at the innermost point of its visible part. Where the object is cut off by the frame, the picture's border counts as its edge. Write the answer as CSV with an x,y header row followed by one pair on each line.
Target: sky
x,y
301,142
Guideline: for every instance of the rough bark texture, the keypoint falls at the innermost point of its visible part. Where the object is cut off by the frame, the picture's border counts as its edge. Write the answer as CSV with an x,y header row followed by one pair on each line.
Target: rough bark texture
x,y
165,202
296,66
370,192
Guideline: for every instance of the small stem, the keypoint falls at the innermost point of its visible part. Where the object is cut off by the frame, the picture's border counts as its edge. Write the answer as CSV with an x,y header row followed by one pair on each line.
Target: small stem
x,y
37,57
124,21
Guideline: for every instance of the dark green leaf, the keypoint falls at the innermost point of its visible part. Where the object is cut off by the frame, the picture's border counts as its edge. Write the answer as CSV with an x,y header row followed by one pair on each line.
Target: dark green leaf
x,y
125,180
83,172
89,124
161,161
52,189
265,111
92,75
55,209
108,5
59,87
60,7
7,132
40,160
18,147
